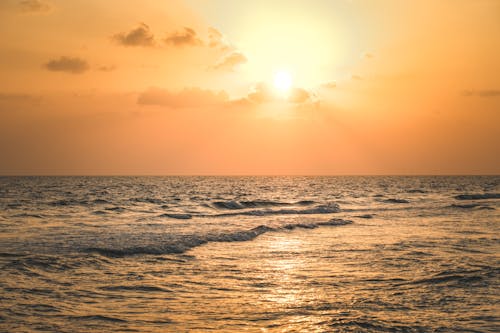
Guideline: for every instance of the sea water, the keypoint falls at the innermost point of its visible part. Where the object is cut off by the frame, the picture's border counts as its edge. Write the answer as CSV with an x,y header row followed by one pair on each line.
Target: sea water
x,y
256,254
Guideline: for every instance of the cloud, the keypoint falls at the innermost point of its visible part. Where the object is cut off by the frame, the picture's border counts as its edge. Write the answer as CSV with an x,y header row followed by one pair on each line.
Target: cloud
x,y
67,64
367,55
18,98
105,68
263,93
299,96
217,40
232,57
181,38
356,77
34,6
481,93
329,85
140,36
189,97
230,61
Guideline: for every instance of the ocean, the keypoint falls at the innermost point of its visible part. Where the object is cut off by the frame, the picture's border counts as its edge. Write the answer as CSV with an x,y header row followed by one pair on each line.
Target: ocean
x,y
252,254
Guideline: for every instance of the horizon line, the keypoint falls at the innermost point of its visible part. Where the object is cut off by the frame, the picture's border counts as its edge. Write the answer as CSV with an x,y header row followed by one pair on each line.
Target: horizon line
x,y
254,175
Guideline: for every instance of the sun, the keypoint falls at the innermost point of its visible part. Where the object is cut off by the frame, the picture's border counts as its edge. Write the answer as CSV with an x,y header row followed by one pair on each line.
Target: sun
x,y
282,81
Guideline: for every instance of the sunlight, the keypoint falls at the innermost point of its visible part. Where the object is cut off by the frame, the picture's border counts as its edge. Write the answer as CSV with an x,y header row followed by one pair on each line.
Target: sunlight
x,y
283,81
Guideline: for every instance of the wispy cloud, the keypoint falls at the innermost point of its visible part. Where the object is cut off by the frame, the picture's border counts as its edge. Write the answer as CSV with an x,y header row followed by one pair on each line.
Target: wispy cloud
x,y
105,68
34,6
67,64
139,36
329,85
299,96
19,98
262,93
367,55
230,61
186,37
217,40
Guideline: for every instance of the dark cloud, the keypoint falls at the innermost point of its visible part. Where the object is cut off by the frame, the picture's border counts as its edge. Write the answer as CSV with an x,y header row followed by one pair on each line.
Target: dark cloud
x,y
185,37
34,6
481,93
67,64
230,61
189,97
140,36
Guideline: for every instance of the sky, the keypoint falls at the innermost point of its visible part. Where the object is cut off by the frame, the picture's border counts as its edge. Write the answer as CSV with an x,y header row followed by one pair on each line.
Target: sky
x,y
221,87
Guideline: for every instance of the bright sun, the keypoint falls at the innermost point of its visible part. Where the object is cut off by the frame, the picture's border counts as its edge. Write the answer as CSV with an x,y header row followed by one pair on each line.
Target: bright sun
x,y
282,81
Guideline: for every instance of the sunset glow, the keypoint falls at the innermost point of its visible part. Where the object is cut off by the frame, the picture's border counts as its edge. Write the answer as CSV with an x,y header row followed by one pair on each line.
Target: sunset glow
x,y
331,87
282,81
228,166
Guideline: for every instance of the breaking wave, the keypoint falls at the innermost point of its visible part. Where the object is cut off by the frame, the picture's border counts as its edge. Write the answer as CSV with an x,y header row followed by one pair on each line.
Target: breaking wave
x,y
328,208
189,242
234,205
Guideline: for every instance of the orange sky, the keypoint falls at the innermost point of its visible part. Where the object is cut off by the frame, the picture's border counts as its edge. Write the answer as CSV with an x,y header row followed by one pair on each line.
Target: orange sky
x,y
189,87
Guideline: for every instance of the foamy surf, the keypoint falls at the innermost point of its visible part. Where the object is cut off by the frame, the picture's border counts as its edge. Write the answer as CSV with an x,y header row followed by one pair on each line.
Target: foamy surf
x,y
188,242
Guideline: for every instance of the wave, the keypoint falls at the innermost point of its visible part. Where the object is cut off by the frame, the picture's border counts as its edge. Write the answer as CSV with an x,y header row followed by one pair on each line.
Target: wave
x,y
145,288
36,216
477,196
465,206
398,201
67,202
73,202
234,205
364,216
148,200
100,202
115,209
458,277
416,190
177,216
189,242
320,209
486,208
372,324
97,318
461,279
471,206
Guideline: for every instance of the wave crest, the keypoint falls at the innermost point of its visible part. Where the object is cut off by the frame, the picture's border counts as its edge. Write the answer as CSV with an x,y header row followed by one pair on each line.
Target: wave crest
x,y
190,242
234,205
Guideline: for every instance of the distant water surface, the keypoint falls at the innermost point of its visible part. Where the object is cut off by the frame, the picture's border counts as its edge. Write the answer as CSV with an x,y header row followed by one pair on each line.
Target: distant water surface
x,y
257,254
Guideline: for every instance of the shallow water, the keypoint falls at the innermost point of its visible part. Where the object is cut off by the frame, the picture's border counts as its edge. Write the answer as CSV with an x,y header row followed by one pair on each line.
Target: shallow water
x,y
263,254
